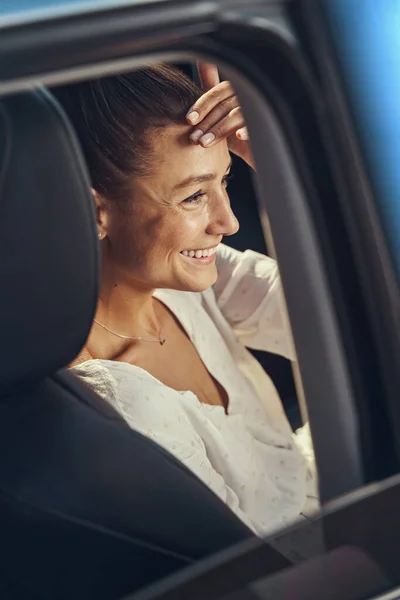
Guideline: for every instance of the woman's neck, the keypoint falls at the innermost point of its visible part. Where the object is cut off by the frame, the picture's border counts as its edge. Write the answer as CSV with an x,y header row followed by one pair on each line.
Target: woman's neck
x,y
127,308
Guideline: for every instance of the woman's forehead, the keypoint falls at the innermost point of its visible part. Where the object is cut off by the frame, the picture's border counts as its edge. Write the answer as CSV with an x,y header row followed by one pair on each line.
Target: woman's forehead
x,y
176,157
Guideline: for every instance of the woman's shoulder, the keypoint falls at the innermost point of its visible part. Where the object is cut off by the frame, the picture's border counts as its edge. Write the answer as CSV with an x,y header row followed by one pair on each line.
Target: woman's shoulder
x,y
99,371
124,383
147,404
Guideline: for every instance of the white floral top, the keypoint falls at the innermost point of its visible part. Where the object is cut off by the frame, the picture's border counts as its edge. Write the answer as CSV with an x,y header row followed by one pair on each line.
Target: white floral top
x,y
248,457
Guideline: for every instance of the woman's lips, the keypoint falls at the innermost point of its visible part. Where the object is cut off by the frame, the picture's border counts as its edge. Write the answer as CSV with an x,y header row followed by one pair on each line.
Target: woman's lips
x,y
204,256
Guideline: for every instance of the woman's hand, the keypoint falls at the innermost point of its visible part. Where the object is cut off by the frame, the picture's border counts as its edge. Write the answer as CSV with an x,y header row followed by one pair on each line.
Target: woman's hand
x,y
217,115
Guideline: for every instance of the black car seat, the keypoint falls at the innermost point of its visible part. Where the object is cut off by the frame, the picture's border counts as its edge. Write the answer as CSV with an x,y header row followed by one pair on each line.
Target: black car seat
x,y
88,507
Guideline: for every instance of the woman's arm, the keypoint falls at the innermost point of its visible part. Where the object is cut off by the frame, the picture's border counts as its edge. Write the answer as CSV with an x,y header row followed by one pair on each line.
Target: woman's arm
x,y
250,296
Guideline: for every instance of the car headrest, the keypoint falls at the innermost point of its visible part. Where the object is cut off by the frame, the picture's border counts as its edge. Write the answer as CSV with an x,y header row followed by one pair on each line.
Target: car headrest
x,y
48,242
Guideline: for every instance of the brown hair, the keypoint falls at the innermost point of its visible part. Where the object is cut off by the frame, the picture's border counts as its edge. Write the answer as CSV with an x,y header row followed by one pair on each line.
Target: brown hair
x,y
113,116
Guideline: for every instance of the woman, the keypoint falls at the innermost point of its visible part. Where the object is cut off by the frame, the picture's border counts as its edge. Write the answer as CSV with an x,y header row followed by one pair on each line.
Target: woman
x,y
177,308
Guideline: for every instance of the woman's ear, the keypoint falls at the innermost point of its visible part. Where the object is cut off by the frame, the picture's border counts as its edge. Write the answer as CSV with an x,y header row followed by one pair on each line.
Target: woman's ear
x,y
101,214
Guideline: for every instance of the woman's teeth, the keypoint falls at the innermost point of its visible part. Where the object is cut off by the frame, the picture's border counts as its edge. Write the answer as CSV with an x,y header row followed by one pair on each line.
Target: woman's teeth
x,y
199,253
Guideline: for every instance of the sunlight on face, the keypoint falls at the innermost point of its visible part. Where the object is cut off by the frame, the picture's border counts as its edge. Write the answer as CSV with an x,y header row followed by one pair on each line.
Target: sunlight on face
x,y
178,217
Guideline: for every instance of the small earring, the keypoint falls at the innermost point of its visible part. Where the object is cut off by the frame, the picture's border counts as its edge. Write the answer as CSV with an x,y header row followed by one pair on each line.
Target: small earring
x,y
99,235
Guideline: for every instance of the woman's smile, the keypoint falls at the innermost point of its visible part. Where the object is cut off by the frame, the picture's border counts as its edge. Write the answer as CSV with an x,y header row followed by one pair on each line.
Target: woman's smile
x,y
203,256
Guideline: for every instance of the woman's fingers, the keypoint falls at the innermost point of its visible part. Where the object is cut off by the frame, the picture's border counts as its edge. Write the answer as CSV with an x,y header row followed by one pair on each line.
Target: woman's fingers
x,y
213,118
242,134
217,115
208,74
208,101
225,127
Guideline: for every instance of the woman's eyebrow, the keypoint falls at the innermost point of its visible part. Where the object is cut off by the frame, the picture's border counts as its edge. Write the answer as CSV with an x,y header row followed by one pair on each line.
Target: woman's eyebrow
x,y
199,178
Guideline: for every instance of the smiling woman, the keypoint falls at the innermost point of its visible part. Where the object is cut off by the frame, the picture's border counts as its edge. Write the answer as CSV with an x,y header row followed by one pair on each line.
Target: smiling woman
x,y
177,309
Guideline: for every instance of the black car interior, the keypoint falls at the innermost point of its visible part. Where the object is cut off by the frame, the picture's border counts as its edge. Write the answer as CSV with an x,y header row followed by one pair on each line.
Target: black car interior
x,y
89,508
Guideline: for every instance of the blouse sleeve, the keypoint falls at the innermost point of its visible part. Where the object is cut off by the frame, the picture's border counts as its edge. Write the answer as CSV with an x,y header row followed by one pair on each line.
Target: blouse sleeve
x,y
249,295
141,403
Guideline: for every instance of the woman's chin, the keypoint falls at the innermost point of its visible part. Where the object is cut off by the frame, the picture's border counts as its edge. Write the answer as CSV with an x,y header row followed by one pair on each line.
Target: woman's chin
x,y
200,281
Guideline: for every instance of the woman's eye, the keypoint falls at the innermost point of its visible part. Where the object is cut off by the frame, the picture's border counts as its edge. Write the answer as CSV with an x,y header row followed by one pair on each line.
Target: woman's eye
x,y
195,198
198,197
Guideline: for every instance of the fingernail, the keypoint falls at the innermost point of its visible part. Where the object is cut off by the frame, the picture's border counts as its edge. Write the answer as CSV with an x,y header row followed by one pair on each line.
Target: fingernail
x,y
207,139
193,117
196,135
243,134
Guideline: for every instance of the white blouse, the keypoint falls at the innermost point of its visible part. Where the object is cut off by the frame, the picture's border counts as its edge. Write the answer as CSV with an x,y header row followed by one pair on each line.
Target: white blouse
x,y
248,457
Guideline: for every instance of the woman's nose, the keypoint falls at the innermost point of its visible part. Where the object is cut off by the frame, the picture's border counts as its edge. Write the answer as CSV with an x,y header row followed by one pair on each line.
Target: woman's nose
x,y
222,219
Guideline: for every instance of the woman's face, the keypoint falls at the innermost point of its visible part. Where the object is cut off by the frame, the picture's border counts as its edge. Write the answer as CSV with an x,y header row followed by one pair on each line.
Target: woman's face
x,y
176,219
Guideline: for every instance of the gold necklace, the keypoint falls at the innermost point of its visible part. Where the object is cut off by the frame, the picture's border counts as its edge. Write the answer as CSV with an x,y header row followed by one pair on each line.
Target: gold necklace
x,y
160,341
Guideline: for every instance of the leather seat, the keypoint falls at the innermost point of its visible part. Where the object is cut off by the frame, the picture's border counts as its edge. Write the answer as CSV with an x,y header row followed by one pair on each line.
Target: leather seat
x,y
88,507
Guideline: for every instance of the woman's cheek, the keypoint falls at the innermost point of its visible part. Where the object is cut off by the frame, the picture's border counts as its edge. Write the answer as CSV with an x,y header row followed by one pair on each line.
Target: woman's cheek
x,y
197,220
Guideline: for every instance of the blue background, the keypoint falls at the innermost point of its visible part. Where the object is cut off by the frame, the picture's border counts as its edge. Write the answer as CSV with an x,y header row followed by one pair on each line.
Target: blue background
x,y
368,36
